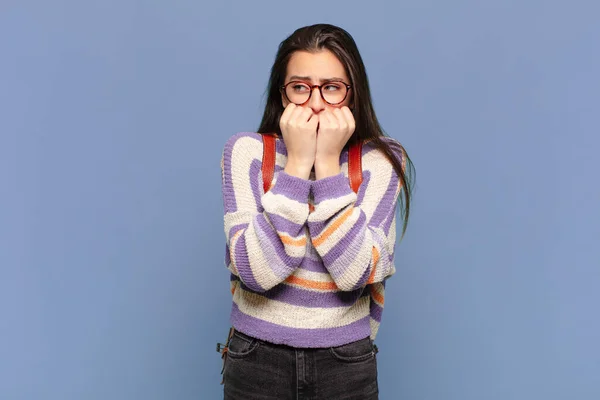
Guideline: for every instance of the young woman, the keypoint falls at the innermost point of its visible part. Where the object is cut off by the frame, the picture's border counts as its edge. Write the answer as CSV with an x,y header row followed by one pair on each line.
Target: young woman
x,y
309,257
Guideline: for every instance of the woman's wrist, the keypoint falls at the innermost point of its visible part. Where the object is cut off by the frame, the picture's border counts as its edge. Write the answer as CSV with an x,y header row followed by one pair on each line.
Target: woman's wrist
x,y
298,169
326,166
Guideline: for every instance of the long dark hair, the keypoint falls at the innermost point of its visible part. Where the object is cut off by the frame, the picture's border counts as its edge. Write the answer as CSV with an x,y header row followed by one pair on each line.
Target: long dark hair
x,y
317,37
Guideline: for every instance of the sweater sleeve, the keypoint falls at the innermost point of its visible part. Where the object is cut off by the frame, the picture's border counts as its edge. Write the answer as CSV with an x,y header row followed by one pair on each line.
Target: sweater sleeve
x,y
265,234
357,241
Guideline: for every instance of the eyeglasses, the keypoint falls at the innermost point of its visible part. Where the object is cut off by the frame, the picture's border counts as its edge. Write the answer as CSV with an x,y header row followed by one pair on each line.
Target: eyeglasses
x,y
299,92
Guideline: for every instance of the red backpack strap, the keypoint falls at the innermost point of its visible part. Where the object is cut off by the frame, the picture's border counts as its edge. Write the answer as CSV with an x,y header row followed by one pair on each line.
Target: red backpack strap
x,y
355,165
268,160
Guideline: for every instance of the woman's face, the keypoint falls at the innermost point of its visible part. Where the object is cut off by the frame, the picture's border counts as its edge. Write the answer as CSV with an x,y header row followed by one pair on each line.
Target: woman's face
x,y
320,68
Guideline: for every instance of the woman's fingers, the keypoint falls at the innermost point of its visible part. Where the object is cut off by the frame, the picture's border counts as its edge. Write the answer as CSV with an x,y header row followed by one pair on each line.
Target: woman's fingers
x,y
342,123
327,120
287,112
305,115
347,114
313,121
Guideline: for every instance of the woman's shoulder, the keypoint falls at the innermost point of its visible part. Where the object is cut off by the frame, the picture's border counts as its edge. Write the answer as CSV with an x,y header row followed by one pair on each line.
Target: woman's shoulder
x,y
250,143
370,147
247,137
369,144
374,158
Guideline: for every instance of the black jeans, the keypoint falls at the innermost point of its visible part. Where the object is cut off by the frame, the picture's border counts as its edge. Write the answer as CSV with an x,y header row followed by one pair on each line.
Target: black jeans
x,y
255,369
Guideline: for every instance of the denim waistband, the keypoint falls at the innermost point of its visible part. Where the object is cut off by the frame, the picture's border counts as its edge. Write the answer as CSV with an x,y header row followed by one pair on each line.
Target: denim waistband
x,y
250,338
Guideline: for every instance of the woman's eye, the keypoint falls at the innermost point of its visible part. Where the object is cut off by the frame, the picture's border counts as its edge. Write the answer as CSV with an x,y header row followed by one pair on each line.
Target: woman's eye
x,y
332,88
300,88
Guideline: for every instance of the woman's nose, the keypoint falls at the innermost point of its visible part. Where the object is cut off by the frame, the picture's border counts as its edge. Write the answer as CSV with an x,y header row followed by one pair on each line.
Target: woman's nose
x,y
316,101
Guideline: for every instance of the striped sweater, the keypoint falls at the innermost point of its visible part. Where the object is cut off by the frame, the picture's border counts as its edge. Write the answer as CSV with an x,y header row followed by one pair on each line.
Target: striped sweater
x,y
309,258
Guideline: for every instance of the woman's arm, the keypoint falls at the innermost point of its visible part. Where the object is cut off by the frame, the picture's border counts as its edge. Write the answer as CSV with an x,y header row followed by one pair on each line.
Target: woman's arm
x,y
265,233
356,239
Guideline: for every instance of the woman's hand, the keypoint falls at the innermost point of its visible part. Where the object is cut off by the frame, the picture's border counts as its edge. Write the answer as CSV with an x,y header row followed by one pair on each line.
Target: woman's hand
x,y
335,129
299,128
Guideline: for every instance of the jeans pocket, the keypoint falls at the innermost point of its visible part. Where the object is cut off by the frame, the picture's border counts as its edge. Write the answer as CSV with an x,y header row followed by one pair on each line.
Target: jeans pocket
x,y
358,351
241,346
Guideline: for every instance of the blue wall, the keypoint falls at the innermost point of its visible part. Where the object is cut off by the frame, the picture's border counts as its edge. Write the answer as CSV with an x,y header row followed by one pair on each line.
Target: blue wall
x,y
113,118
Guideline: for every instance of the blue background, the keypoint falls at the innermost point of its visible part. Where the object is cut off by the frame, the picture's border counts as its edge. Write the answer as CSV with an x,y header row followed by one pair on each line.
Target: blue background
x,y
113,118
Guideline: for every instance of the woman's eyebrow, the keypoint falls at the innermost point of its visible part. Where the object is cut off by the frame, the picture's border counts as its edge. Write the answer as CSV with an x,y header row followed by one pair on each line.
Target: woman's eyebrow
x,y
309,79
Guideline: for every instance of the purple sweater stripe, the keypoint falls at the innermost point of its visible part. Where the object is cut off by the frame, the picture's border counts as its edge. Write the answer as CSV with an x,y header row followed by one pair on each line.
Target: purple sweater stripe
x,y
376,311
313,265
297,337
242,264
228,192
257,190
365,276
279,261
340,266
227,255
309,298
284,225
387,224
280,147
368,147
292,187
317,226
234,229
331,187
348,243
271,240
383,208
229,202
344,156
